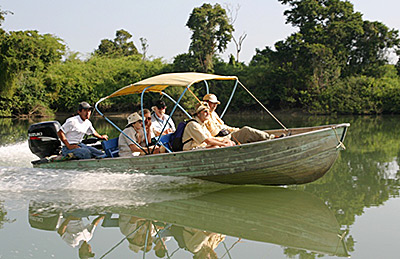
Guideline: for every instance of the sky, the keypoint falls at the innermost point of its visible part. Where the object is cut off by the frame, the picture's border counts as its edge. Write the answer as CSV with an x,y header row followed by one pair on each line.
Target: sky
x,y
82,24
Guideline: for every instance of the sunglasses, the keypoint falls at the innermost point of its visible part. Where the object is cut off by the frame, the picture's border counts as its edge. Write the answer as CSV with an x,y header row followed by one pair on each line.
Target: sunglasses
x,y
162,108
148,118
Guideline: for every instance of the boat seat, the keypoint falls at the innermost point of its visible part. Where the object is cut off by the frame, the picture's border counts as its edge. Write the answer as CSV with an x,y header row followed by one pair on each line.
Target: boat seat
x,y
164,141
111,147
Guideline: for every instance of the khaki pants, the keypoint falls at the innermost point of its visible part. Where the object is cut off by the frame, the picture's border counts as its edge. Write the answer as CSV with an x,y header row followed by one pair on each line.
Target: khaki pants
x,y
248,135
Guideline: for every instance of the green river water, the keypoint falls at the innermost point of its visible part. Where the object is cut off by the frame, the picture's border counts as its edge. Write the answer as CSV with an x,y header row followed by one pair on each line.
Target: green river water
x,y
354,210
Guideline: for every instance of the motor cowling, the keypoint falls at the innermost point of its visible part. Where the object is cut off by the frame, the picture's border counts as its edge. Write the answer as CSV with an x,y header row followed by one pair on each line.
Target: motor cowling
x,y
43,140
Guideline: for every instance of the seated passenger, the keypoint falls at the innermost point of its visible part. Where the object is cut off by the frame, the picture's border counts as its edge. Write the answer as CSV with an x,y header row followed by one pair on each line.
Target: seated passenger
x,y
74,129
196,135
134,130
137,230
159,119
217,127
148,123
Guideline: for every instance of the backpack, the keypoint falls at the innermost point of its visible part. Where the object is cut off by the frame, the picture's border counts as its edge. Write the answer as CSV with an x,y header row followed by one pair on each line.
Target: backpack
x,y
175,141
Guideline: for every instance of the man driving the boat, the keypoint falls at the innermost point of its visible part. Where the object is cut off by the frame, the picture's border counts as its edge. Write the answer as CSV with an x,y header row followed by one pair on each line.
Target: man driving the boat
x,y
217,126
160,119
196,135
74,129
134,129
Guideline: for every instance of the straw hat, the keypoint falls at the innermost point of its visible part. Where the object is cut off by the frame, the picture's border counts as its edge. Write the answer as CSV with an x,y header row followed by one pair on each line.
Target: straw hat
x,y
134,117
211,98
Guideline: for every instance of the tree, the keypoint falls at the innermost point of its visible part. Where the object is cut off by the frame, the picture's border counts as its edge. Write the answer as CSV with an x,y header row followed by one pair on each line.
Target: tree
x,y
186,63
211,33
357,46
371,48
119,47
26,51
145,47
3,15
232,13
24,57
332,43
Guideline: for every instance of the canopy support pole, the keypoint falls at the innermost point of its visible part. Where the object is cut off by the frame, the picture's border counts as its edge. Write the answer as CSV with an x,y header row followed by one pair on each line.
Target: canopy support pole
x,y
147,237
207,88
115,126
170,116
144,122
172,100
283,126
120,242
230,99
160,238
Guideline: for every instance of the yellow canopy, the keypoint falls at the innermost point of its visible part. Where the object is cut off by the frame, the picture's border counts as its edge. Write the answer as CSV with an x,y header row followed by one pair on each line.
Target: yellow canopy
x,y
160,82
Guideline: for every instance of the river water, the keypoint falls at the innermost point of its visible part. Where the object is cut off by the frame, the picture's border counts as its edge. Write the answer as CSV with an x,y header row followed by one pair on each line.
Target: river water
x,y
353,210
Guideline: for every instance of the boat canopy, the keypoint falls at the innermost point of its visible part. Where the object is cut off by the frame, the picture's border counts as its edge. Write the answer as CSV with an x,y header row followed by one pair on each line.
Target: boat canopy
x,y
160,82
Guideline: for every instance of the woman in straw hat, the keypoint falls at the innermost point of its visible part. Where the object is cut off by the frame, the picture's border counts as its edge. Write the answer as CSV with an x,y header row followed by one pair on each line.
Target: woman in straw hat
x,y
134,129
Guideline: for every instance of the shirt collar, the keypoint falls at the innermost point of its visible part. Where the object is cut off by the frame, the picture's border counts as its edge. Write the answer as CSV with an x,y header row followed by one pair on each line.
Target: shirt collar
x,y
79,118
199,121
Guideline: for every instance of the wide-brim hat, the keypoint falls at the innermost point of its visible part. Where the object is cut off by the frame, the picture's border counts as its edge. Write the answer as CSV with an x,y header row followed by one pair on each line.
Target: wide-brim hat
x,y
211,98
134,117
135,248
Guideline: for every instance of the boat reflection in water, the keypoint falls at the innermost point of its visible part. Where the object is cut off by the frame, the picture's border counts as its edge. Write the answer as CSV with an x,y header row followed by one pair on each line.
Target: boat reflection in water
x,y
274,215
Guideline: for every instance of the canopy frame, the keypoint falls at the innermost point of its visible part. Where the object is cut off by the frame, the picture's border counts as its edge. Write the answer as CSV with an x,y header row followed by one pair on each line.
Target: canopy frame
x,y
155,87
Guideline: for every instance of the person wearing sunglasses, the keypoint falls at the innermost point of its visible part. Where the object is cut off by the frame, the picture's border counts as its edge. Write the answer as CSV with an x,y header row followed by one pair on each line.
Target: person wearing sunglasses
x,y
150,130
159,119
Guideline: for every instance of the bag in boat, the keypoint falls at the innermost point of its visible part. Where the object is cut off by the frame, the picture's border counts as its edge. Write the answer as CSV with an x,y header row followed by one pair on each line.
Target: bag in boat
x,y
223,133
175,141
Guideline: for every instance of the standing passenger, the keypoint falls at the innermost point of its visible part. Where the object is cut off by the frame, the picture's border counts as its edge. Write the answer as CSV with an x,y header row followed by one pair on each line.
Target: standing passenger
x,y
159,119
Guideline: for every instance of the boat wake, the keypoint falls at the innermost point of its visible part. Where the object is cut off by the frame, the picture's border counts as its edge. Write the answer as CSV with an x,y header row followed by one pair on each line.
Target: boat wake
x,y
20,183
16,155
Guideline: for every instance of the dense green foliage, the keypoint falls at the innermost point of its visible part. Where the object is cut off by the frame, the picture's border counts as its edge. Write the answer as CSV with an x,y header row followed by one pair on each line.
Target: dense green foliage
x,y
335,62
74,80
25,57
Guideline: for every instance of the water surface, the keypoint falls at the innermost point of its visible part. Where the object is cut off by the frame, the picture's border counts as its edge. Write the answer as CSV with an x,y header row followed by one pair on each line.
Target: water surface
x,y
353,210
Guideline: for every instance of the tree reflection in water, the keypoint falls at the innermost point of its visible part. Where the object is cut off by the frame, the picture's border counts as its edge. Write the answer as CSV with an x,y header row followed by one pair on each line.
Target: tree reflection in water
x,y
362,176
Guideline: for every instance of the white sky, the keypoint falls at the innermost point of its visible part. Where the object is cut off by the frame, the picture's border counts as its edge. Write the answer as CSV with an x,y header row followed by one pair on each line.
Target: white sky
x,y
82,24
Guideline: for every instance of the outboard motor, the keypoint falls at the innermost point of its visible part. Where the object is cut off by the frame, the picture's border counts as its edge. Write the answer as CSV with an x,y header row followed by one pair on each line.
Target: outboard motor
x,y
43,139
40,217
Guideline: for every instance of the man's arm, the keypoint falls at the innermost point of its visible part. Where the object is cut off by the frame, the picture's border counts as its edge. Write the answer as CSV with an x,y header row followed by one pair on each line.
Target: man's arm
x,y
97,135
63,138
63,227
215,142
97,220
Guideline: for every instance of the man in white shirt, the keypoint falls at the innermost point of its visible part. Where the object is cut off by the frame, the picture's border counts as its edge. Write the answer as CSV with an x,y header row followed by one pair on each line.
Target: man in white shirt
x,y
159,119
74,129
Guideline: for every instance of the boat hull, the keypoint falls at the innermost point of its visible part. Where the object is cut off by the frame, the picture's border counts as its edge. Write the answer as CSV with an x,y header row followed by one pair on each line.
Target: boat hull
x,y
303,157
